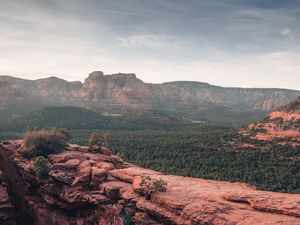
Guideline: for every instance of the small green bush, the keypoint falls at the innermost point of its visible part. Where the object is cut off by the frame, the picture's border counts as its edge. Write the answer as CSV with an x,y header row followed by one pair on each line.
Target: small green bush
x,y
126,218
41,166
45,141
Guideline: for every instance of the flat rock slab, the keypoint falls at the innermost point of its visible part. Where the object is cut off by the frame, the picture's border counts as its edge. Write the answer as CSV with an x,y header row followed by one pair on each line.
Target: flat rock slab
x,y
102,184
213,202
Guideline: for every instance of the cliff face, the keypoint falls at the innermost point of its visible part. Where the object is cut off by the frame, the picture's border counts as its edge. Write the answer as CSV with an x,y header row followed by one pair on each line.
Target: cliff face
x,y
7,214
126,90
8,92
88,185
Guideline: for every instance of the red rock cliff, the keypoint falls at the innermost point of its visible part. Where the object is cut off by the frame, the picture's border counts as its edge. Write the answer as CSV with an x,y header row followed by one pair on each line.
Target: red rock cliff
x,y
90,186
7,215
282,125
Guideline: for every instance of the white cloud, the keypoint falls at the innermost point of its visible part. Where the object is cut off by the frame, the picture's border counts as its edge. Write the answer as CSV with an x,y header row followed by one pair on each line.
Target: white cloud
x,y
150,41
239,46
278,69
239,71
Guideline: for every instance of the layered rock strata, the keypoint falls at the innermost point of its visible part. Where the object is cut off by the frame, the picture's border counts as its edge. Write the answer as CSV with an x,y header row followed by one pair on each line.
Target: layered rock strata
x,y
7,214
88,185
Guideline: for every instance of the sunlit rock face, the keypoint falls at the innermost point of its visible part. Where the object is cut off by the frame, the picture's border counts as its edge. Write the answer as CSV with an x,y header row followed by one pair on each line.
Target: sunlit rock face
x,y
281,125
125,90
88,185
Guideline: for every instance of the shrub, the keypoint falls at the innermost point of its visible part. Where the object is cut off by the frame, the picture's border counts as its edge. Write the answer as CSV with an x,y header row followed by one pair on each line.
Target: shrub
x,y
106,140
41,166
126,218
151,185
95,138
65,132
45,141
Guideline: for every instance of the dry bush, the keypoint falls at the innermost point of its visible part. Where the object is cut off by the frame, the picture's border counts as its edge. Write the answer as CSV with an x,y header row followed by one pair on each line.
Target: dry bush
x,y
95,138
45,141
151,185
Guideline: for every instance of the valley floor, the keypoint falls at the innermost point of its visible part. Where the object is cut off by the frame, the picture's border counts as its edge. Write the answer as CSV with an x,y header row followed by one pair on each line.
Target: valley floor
x,y
203,155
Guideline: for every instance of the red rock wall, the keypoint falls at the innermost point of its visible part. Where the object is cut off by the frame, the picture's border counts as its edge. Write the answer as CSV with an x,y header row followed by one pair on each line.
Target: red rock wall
x,y
7,213
87,185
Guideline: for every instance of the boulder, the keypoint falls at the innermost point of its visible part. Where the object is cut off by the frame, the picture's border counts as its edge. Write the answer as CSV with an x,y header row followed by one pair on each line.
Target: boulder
x,y
105,165
73,146
7,213
94,149
71,164
84,149
83,175
98,176
127,194
128,174
112,188
61,176
105,151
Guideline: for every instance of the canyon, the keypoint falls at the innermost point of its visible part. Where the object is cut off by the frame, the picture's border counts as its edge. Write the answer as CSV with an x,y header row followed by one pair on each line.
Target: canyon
x,y
90,185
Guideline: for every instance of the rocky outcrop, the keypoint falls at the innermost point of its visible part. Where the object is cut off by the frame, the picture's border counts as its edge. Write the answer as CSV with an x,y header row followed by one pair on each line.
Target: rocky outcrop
x,y
282,125
7,214
88,185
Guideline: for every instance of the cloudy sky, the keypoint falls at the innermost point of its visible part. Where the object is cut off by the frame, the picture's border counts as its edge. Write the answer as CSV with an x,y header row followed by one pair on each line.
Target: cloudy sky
x,y
248,43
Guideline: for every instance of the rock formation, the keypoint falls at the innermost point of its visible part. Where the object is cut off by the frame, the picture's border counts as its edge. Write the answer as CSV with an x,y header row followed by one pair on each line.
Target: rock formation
x,y
88,185
7,214
282,125
126,90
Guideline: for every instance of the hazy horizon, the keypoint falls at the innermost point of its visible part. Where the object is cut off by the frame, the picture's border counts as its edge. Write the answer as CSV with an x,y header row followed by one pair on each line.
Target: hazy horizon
x,y
82,80
229,43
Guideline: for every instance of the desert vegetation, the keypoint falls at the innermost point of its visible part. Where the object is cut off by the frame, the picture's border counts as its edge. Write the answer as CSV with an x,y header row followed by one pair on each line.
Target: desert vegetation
x,y
98,139
45,141
152,185
41,165
200,154
95,138
268,166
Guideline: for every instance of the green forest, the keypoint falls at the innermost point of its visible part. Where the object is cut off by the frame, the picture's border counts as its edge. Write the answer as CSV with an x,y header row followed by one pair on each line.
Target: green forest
x,y
202,154
199,155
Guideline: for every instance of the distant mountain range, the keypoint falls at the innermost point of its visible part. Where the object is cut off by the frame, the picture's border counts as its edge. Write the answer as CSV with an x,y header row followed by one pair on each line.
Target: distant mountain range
x,y
118,92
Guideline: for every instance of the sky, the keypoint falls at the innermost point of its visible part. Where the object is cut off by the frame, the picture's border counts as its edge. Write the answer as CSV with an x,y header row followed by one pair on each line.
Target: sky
x,y
245,43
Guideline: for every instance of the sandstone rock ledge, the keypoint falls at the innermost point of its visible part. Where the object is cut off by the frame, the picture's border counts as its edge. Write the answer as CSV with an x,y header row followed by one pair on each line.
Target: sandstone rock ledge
x,y
90,186
7,215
